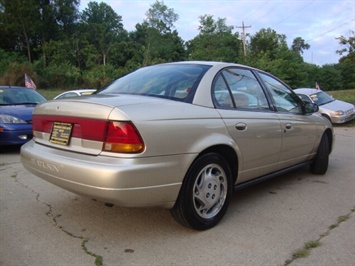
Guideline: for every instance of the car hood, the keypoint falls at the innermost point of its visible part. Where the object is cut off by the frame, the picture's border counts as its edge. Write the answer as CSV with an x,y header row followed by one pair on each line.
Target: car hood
x,y
337,105
23,111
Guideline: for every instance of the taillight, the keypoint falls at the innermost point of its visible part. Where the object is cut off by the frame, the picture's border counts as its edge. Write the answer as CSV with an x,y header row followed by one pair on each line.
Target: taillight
x,y
122,137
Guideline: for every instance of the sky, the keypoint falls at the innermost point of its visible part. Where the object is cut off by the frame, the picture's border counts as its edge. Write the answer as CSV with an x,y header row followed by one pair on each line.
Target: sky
x,y
318,22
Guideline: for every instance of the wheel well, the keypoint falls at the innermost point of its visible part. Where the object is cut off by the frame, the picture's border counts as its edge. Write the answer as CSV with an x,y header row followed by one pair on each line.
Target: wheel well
x,y
229,155
330,139
327,117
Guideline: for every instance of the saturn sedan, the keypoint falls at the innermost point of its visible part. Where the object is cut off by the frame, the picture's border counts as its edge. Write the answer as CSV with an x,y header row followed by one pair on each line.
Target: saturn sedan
x,y
180,136
334,110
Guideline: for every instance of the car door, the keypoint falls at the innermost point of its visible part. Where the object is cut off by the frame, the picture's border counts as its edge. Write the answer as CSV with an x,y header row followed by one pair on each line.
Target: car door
x,y
254,127
298,129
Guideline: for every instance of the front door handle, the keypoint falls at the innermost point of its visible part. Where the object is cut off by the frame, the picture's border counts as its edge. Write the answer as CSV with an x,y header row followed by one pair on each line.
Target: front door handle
x,y
288,126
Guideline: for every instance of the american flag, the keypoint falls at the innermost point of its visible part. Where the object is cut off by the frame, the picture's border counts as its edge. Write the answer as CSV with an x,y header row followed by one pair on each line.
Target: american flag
x,y
317,86
29,83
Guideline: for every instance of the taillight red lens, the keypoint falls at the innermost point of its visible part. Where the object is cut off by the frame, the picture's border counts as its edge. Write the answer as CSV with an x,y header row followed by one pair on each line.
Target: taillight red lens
x,y
122,137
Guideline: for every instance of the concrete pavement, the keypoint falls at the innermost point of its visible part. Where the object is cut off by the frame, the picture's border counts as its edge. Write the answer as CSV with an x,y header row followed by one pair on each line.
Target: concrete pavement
x,y
268,224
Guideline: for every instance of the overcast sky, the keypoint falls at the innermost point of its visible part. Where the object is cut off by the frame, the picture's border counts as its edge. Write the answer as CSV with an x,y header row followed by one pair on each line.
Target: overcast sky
x,y
318,22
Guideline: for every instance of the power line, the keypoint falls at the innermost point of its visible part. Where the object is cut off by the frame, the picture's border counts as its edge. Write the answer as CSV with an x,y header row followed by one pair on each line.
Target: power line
x,y
267,13
330,30
299,10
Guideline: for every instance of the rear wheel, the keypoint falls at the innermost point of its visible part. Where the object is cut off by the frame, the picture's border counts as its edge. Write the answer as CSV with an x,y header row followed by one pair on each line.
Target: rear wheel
x,y
205,193
319,165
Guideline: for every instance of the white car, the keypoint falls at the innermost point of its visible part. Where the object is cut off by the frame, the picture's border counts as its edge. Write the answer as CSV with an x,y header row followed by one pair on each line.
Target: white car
x,y
74,93
334,110
180,136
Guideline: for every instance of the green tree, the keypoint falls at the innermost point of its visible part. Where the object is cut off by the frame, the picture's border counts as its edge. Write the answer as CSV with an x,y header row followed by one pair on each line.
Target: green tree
x,y
266,41
155,39
330,78
349,48
19,26
347,62
101,26
299,45
268,51
215,41
160,17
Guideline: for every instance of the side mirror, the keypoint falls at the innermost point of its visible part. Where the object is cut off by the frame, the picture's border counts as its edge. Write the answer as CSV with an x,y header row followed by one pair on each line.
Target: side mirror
x,y
310,108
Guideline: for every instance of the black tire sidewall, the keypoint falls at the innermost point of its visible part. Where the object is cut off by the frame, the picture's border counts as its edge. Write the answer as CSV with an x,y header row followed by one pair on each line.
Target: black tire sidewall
x,y
194,220
320,163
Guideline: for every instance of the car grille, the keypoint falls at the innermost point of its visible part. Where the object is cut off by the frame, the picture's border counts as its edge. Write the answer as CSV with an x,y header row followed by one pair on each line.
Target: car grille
x,y
350,111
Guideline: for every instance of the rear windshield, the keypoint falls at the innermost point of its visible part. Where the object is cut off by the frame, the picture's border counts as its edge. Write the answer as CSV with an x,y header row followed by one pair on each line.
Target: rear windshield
x,y
172,81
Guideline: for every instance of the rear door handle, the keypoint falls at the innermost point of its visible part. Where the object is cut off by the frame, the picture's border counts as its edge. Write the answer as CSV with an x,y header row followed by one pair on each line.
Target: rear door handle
x,y
241,126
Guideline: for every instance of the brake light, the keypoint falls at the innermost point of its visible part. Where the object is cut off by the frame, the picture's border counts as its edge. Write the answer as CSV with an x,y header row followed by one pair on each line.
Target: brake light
x,y
122,137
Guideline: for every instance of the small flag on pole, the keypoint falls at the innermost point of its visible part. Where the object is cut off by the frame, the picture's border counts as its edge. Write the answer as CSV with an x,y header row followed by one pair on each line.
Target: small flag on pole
x,y
29,83
317,86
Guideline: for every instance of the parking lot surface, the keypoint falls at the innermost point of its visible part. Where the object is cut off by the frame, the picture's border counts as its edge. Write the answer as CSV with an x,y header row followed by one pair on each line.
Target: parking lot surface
x,y
294,219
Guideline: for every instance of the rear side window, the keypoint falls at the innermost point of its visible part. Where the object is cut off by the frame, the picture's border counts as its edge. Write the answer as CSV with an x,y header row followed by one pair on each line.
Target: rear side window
x,y
238,89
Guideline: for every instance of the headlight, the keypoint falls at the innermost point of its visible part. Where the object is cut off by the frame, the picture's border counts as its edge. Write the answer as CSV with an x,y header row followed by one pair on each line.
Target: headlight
x,y
9,119
338,113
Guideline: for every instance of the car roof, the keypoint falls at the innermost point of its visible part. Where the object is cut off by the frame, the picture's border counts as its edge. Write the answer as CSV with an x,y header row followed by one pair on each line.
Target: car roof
x,y
80,90
207,63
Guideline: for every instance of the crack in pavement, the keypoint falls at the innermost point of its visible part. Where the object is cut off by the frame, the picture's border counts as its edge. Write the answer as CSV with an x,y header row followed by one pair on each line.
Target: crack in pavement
x,y
305,251
49,213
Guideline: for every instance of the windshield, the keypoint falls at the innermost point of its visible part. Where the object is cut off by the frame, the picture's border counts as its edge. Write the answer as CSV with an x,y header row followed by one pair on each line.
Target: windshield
x,y
15,96
173,81
321,98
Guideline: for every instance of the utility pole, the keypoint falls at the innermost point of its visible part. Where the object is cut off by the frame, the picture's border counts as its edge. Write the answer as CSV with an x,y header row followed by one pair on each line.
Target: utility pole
x,y
243,37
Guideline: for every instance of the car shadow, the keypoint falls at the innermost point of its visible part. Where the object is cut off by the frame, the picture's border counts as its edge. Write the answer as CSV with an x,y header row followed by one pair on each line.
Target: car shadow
x,y
10,149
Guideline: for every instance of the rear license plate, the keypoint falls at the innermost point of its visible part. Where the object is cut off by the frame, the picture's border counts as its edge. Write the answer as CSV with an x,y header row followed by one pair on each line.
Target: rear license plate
x,y
61,133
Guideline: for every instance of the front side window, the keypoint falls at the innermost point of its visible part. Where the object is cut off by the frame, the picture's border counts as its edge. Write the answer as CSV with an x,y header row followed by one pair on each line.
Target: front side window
x,y
305,98
284,99
238,88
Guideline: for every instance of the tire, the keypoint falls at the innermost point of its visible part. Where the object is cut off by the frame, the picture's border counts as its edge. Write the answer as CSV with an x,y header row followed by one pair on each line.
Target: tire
x,y
319,166
205,193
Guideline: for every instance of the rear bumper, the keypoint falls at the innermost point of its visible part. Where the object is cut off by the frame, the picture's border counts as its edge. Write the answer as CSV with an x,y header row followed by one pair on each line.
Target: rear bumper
x,y
154,181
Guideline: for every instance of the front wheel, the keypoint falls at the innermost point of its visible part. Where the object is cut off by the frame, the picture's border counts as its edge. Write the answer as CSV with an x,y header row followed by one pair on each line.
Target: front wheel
x,y
319,165
205,193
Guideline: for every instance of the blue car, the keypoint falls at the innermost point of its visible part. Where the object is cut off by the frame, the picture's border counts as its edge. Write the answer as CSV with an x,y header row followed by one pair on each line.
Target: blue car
x,y
16,106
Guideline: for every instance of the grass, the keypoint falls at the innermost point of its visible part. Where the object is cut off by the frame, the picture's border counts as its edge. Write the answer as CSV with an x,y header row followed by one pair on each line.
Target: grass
x,y
51,93
344,95
304,252
308,246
